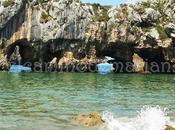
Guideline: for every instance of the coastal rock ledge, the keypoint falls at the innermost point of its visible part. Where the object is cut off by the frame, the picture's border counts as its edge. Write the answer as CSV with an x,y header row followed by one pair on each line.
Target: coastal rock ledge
x,y
39,33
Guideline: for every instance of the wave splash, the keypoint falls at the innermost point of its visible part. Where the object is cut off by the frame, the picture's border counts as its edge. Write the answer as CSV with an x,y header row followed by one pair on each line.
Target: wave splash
x,y
149,118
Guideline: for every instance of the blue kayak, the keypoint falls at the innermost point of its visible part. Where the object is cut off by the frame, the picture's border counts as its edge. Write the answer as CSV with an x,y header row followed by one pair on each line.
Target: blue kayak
x,y
19,69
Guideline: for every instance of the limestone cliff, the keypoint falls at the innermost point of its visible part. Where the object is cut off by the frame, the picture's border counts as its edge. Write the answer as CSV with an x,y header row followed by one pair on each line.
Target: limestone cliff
x,y
45,30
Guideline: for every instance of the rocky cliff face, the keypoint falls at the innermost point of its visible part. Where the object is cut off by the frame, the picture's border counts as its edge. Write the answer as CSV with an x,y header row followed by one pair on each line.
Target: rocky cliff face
x,y
46,30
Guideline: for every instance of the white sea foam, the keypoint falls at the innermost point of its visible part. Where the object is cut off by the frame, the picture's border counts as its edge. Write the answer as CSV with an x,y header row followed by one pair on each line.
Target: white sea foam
x,y
149,118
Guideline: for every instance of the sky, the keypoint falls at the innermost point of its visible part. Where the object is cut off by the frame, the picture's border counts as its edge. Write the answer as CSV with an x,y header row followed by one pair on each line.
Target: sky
x,y
110,2
105,2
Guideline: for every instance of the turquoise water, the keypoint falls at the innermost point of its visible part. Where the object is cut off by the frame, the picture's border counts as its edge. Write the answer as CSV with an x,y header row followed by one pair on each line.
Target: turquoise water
x,y
48,101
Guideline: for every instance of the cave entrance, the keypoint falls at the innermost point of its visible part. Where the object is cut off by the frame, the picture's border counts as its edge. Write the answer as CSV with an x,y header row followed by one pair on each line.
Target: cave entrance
x,y
14,53
121,52
154,60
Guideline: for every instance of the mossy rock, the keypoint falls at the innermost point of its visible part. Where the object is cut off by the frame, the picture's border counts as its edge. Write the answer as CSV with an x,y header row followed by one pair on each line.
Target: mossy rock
x,y
8,3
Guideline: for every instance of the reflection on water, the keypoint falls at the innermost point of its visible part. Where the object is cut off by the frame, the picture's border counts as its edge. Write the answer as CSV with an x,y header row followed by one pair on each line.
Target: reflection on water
x,y
47,101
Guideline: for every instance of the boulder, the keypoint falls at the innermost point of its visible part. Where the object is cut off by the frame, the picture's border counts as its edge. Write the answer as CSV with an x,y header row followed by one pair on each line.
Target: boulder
x,y
89,120
53,63
134,16
4,64
154,33
67,59
170,30
170,128
15,57
139,63
150,15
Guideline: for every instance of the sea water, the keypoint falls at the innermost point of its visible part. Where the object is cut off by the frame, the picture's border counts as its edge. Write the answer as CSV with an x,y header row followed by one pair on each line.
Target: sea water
x,y
48,101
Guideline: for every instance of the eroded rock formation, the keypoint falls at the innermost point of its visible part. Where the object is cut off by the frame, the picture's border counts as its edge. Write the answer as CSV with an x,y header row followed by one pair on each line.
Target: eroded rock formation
x,y
45,30
139,63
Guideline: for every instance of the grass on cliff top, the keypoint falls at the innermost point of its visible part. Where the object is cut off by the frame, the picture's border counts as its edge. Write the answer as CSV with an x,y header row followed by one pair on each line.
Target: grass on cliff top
x,y
8,3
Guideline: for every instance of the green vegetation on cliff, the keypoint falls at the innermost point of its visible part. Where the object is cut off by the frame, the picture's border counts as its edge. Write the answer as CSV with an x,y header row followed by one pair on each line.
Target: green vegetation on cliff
x,y
8,3
101,12
146,4
104,34
44,17
162,32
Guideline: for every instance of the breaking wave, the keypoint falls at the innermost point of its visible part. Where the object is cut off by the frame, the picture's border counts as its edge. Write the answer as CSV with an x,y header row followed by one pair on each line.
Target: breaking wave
x,y
149,118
